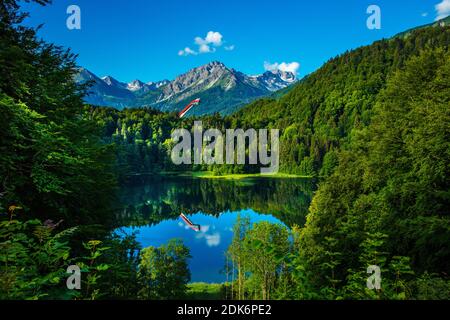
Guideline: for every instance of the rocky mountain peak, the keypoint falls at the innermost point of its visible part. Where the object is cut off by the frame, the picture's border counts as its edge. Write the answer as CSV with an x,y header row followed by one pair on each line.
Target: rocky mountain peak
x,y
225,89
110,81
135,85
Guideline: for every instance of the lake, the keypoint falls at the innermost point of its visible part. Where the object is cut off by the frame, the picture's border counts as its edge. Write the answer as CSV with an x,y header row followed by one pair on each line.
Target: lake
x,y
152,209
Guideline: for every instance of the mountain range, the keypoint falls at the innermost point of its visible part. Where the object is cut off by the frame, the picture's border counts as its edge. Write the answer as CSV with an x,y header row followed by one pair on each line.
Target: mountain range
x,y
221,89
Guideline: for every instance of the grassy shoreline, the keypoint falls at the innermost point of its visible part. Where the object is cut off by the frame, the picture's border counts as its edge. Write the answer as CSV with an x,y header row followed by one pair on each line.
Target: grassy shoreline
x,y
234,176
204,291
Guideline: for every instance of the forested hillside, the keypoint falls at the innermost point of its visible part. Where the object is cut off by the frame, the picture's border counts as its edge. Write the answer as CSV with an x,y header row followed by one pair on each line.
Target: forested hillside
x,y
317,117
320,114
386,204
389,197
142,138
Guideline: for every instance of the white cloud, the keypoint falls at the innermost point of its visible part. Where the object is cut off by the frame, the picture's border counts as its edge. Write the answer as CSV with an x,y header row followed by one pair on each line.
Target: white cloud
x,y
286,67
199,41
213,240
208,44
270,66
204,48
214,38
425,14
186,52
442,9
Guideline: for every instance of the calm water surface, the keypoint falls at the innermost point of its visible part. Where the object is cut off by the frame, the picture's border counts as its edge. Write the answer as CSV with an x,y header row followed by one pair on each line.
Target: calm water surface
x,y
152,209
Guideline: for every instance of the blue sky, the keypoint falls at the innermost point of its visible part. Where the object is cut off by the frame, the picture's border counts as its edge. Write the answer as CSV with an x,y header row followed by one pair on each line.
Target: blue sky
x,y
142,39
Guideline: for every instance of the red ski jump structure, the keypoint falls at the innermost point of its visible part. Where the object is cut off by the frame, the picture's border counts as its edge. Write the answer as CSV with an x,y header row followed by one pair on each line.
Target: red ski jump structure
x,y
188,107
195,227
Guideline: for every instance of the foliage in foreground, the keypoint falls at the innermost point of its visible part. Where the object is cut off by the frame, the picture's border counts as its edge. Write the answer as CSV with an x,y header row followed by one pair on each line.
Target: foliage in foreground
x,y
34,258
265,264
206,291
53,162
